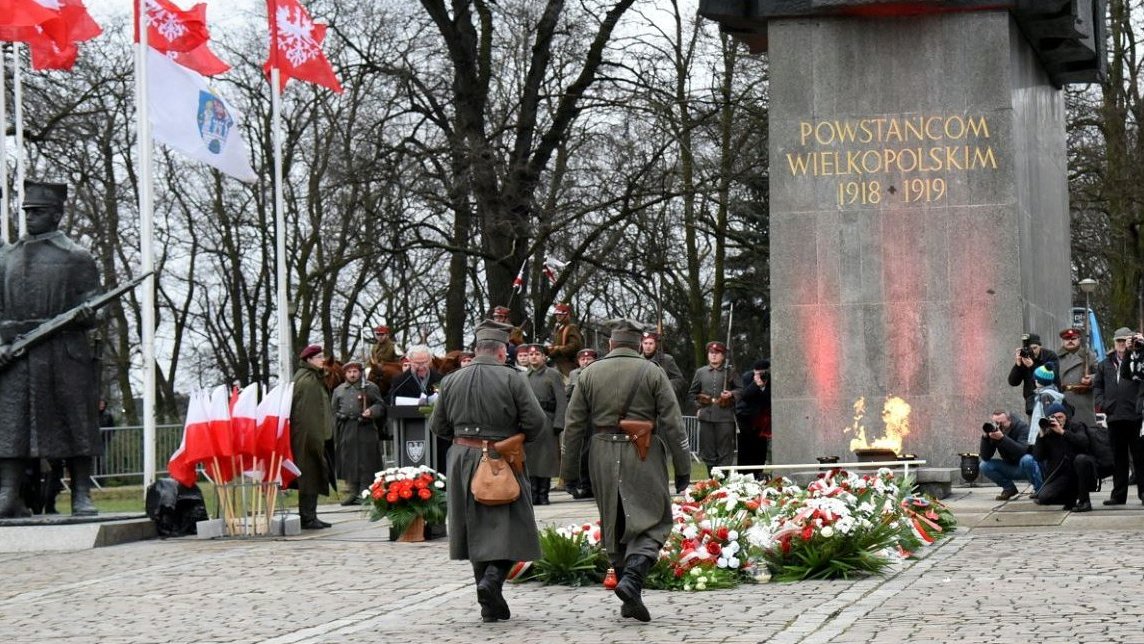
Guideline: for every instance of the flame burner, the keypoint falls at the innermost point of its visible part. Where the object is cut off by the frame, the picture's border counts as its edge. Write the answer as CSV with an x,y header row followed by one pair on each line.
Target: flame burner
x,y
874,454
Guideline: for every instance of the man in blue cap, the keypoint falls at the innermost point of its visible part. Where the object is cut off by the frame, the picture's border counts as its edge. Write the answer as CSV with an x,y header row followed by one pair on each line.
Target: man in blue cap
x,y
1059,442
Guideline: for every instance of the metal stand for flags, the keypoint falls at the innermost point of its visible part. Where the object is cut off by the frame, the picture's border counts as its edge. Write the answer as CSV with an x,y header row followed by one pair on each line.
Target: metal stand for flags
x,y
247,507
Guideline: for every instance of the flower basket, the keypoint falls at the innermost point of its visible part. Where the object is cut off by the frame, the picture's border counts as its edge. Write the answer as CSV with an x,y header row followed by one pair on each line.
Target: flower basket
x,y
408,497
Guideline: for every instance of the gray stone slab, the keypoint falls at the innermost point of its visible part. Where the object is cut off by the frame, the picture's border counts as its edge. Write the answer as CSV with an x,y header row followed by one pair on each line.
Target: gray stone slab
x,y
64,536
919,225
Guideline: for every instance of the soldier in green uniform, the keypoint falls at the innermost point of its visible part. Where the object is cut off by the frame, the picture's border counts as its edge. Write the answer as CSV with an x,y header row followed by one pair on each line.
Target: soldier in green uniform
x,y
651,348
631,492
357,404
713,390
311,425
543,454
487,401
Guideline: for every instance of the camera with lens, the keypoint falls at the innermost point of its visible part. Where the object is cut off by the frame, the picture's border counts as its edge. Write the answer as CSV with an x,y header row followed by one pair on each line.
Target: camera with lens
x,y
1046,423
1025,351
989,428
1138,344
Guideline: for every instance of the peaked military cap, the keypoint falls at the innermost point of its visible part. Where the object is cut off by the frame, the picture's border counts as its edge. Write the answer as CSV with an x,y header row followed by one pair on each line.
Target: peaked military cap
x,y
562,308
625,330
501,310
38,193
587,352
493,330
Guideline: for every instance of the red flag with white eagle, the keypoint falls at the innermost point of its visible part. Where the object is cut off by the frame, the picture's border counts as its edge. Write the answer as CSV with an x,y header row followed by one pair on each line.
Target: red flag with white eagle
x,y
296,46
170,28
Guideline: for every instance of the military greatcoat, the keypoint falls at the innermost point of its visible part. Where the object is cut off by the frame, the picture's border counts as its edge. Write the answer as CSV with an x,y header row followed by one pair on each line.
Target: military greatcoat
x,y
618,475
359,449
48,397
487,401
310,427
543,454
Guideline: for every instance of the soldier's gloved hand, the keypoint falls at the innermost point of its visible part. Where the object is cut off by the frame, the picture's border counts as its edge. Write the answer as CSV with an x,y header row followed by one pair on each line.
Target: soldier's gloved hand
x,y
681,483
84,315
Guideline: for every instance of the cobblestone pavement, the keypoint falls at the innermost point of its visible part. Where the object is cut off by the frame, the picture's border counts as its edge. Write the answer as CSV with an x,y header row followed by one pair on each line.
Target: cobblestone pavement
x,y
1044,577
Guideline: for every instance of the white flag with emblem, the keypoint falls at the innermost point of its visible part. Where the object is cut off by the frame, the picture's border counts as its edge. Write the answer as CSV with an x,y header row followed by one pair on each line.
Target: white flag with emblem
x,y
188,116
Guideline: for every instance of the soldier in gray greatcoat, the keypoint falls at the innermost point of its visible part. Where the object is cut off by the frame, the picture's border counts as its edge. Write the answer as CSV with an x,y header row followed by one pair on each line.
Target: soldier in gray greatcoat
x,y
713,390
49,394
543,454
581,489
631,493
357,404
487,401
652,349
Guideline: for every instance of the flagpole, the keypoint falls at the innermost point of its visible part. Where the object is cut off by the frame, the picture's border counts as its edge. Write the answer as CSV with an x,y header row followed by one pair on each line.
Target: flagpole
x,y
146,246
5,219
284,339
18,111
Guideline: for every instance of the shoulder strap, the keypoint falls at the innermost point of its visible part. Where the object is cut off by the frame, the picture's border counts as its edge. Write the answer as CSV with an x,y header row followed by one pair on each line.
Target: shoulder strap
x,y
632,391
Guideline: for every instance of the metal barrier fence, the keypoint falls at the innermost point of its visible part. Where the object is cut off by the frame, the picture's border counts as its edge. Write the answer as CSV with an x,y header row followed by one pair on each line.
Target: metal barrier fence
x,y
122,459
691,426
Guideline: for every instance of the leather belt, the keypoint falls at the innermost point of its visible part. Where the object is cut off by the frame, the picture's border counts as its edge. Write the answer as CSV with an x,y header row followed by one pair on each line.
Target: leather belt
x,y
470,442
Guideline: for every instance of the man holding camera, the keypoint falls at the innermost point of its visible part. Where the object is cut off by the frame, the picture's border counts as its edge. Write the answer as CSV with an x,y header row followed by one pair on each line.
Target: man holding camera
x,y
1059,442
1027,357
1006,436
1115,391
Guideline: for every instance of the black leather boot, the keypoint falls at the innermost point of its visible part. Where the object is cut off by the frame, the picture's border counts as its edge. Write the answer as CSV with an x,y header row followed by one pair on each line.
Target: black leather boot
x,y
487,613
542,493
11,482
630,587
489,590
534,485
80,468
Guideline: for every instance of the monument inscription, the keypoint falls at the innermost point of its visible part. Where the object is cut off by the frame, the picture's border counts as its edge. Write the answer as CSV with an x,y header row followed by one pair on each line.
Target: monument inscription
x,y
884,160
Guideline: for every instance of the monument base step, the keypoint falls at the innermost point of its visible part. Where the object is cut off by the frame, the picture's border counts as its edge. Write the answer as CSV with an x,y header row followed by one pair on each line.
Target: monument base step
x,y
62,533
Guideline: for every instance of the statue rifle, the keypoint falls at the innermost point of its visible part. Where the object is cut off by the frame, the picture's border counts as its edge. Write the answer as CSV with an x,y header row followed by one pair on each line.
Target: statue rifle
x,y
727,360
22,342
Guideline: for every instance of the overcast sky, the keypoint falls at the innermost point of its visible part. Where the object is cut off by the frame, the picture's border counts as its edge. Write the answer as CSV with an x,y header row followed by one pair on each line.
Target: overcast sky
x,y
221,12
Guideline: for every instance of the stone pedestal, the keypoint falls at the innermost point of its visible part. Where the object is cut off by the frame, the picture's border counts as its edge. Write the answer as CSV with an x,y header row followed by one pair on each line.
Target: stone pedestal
x,y
919,225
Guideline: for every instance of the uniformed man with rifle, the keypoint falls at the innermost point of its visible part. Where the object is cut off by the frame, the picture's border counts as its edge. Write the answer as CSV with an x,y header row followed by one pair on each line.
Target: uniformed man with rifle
x,y
627,404
49,292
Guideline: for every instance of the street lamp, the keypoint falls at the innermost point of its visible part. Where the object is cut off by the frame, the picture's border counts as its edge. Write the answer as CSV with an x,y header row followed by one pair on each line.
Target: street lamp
x,y
1088,285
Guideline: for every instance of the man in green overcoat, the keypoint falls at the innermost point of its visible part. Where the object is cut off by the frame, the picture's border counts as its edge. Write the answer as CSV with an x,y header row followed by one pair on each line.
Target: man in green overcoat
x,y
543,454
631,492
311,425
485,402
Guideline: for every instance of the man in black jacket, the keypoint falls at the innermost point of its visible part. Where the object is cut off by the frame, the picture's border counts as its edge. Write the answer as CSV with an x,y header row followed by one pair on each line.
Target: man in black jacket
x,y
1059,443
1008,440
1026,359
753,415
1115,390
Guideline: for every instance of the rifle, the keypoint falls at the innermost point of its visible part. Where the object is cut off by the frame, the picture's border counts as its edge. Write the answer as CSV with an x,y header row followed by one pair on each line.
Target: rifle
x,y
727,361
22,342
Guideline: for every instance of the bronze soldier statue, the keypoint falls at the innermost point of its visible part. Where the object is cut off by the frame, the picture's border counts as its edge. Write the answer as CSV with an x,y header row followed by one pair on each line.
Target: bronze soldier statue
x,y
485,402
48,394
621,397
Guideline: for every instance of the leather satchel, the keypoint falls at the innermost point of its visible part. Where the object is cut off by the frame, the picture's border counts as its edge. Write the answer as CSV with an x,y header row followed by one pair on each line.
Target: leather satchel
x,y
640,433
494,482
511,450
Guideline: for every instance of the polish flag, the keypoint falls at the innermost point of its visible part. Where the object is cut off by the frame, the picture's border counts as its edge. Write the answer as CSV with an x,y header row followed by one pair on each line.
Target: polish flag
x,y
244,424
196,444
273,439
222,440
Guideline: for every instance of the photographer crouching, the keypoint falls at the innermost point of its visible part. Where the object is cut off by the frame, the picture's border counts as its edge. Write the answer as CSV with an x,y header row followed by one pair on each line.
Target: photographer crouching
x,y
1007,437
1058,443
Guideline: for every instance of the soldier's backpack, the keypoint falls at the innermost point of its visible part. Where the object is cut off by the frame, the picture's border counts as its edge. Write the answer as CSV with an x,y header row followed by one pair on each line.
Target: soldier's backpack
x,y
175,509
